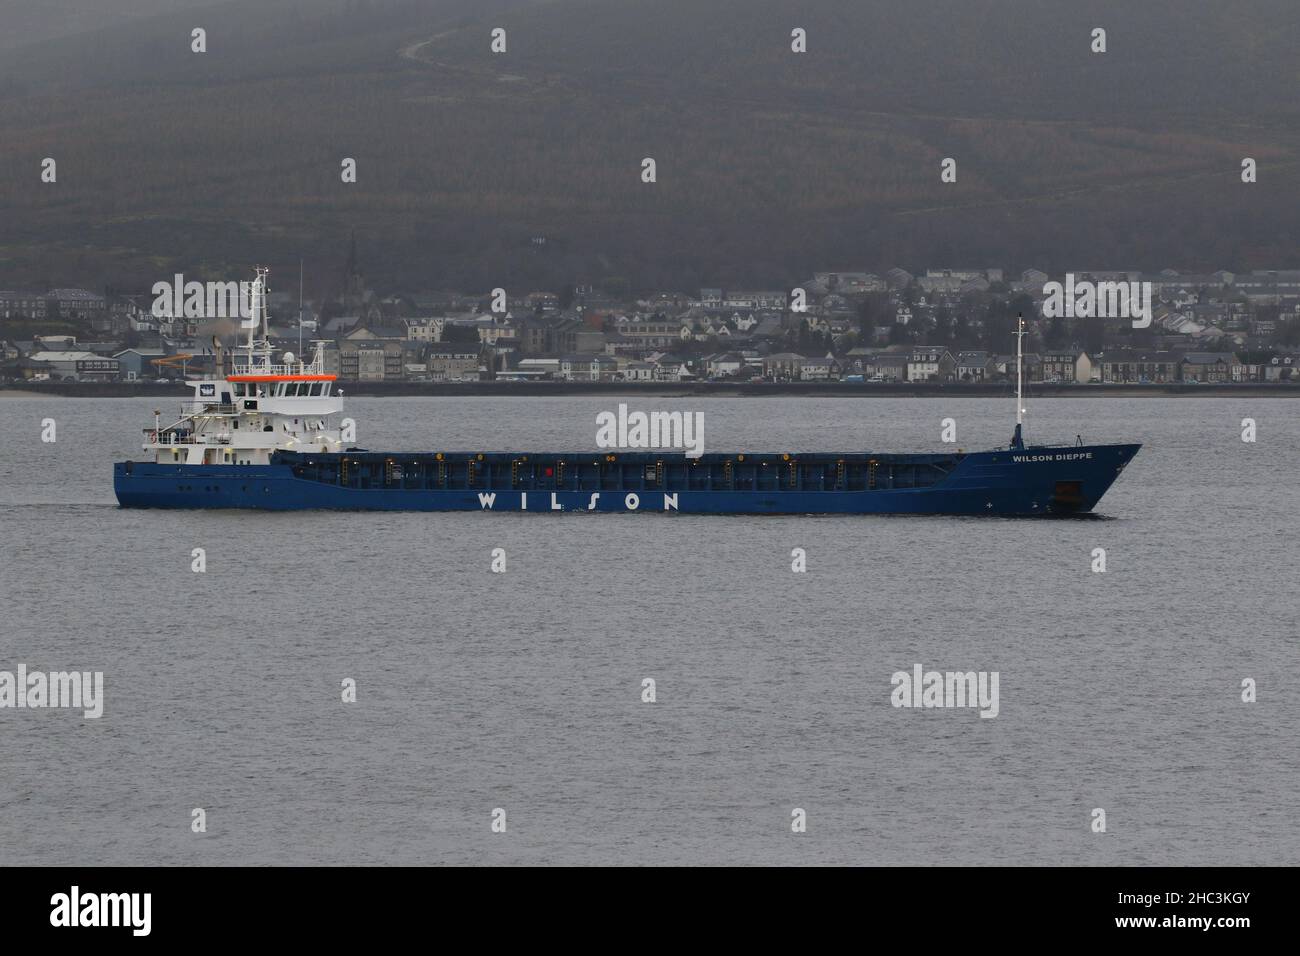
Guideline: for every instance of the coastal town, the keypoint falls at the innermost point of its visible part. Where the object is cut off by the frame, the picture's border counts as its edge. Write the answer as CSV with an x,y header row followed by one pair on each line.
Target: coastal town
x,y
932,326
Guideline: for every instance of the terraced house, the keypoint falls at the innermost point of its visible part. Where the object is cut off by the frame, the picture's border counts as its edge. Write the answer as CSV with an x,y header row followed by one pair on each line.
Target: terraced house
x,y
77,302
666,334
453,362
374,353
973,366
22,305
1209,367
1067,367
1134,366
886,367
930,364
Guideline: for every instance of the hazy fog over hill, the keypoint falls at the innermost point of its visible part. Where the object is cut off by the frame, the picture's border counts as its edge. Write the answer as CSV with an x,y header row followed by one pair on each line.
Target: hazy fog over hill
x,y
29,21
477,169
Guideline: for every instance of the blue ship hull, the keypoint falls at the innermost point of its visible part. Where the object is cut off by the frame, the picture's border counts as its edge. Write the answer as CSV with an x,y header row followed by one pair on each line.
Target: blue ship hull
x,y
1061,480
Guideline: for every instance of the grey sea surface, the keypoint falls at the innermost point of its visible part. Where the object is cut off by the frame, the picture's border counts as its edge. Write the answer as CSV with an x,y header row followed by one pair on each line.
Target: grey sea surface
x,y
522,690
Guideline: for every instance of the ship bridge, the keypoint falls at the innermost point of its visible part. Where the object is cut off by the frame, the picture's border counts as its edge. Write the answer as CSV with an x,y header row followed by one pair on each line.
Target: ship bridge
x,y
260,407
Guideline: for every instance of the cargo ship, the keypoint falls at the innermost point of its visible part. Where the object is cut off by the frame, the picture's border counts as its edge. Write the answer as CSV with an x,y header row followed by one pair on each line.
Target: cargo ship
x,y
269,435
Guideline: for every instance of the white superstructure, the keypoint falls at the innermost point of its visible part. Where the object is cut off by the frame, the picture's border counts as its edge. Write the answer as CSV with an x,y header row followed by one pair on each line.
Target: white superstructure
x,y
260,407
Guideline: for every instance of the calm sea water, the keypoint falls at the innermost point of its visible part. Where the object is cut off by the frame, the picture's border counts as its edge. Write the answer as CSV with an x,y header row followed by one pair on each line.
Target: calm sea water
x,y
523,690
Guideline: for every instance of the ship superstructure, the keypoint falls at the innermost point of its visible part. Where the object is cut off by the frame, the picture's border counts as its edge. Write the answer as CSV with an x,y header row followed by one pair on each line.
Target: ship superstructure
x,y
258,408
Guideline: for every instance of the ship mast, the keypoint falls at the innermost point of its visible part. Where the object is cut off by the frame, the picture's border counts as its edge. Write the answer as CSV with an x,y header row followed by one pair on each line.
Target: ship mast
x,y
300,309
257,322
1018,441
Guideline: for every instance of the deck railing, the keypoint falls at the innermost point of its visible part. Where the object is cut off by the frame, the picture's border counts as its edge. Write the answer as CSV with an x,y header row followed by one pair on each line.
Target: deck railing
x,y
169,437
297,368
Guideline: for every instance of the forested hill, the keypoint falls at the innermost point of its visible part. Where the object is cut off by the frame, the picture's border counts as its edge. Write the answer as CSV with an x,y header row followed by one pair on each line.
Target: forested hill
x,y
477,169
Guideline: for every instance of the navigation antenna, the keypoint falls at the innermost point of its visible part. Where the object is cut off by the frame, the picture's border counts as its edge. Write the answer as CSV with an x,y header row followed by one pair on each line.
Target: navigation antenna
x,y
1018,441
300,306
257,322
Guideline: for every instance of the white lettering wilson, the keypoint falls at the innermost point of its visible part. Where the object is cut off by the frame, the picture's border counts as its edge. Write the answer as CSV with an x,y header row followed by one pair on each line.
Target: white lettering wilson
x,y
572,501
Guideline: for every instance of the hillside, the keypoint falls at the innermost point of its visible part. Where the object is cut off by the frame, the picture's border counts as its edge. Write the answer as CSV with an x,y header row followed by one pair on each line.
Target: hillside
x,y
25,22
770,164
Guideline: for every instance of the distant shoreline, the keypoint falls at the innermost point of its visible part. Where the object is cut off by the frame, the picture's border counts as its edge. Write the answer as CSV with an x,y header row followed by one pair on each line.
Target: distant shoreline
x,y
686,389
